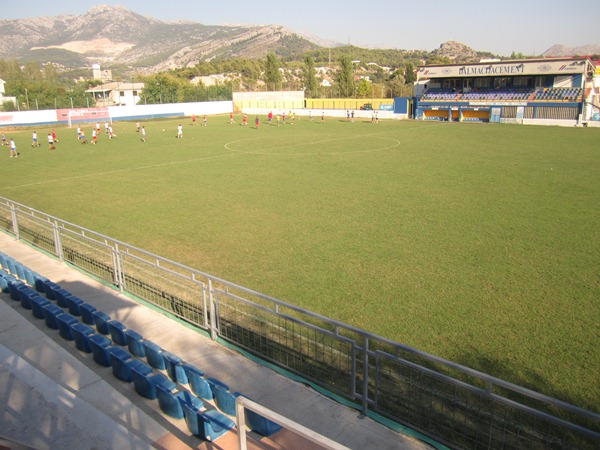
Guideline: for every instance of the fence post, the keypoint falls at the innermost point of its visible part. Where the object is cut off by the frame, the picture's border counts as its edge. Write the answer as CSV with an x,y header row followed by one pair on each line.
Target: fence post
x,y
365,387
13,218
57,241
117,267
240,416
213,318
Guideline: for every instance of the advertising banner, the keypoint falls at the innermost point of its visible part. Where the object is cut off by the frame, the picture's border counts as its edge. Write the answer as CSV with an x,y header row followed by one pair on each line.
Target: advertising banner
x,y
513,68
81,114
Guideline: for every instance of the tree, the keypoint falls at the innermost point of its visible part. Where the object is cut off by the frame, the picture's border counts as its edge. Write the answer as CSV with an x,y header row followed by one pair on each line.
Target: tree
x,y
345,77
364,88
272,73
409,74
311,87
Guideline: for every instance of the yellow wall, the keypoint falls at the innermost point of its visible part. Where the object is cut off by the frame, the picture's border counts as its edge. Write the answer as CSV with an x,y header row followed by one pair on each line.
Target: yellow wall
x,y
275,105
290,104
436,113
346,103
481,114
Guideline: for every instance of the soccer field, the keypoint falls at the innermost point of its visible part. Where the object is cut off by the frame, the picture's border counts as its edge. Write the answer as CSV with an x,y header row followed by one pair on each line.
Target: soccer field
x,y
478,243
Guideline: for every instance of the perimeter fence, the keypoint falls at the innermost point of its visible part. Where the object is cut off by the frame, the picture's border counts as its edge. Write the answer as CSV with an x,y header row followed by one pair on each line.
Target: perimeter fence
x,y
454,405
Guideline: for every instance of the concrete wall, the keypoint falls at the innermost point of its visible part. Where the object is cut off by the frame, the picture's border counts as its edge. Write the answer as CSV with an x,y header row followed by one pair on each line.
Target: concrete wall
x,y
115,113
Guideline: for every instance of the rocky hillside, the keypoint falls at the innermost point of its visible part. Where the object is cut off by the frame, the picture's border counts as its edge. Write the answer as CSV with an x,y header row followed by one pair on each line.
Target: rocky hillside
x,y
108,35
562,50
459,53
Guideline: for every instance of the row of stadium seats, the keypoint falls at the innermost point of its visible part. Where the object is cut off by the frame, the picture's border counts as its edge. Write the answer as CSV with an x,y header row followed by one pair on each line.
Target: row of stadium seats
x,y
505,94
514,94
558,94
180,388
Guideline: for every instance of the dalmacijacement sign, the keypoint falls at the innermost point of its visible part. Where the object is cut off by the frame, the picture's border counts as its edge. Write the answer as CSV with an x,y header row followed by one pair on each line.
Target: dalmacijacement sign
x,y
514,68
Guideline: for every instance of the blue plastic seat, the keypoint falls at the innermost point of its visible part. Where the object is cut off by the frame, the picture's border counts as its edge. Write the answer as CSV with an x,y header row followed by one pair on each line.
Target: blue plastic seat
x,y
101,320
154,355
64,322
119,361
100,346
29,276
117,332
207,425
225,400
198,383
25,294
20,271
40,282
37,303
50,288
87,313
9,279
171,402
50,312
260,424
74,303
135,343
13,289
213,383
145,381
61,296
81,336
174,368
3,283
10,265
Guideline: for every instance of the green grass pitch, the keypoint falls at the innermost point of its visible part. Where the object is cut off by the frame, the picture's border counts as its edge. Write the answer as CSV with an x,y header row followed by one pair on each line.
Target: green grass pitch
x,y
479,243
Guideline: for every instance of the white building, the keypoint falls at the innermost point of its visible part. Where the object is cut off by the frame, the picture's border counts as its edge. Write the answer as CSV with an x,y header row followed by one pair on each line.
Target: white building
x,y
117,93
4,98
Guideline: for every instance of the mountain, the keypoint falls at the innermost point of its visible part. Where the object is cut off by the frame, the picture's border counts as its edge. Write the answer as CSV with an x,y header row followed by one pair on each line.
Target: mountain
x,y
459,53
113,34
563,50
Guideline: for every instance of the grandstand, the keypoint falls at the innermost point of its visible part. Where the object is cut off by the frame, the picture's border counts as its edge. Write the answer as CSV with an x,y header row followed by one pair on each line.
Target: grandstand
x,y
75,376
544,91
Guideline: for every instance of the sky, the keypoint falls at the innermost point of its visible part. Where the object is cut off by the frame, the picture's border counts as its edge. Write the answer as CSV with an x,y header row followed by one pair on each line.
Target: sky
x,y
523,26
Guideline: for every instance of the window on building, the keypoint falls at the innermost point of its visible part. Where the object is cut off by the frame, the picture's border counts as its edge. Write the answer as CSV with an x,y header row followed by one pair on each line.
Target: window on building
x,y
482,83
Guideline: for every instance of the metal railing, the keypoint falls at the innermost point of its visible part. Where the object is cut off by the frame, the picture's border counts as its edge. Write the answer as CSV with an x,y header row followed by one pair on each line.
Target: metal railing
x,y
242,404
455,405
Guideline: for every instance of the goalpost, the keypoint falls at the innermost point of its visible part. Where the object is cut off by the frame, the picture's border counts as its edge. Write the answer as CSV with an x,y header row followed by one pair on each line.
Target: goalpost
x,y
85,115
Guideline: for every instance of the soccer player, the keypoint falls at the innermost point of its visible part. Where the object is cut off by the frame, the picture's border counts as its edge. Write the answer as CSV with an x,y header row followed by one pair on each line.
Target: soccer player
x,y
244,120
179,131
256,122
143,134
51,141
34,140
94,136
13,149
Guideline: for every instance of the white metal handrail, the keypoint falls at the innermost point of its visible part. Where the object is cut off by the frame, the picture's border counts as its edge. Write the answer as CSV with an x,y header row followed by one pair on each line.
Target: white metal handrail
x,y
241,403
